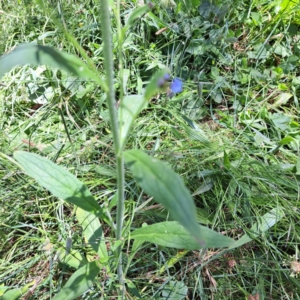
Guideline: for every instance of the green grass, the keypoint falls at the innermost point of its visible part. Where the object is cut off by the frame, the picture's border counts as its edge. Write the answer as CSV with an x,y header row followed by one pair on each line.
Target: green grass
x,y
232,134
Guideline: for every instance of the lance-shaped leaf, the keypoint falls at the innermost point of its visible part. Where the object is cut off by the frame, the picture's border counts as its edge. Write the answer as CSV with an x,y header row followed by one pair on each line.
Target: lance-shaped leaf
x,y
130,107
172,234
81,281
92,231
135,14
167,187
44,55
60,182
74,259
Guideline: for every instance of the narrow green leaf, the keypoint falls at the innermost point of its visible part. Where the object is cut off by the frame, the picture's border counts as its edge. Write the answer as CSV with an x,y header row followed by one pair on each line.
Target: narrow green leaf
x,y
132,289
167,187
92,232
137,13
188,3
44,55
172,234
206,186
226,160
79,282
173,260
298,166
265,223
130,107
134,249
156,21
286,140
60,182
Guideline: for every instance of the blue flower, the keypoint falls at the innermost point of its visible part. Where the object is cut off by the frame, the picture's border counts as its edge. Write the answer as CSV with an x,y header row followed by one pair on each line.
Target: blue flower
x,y
176,85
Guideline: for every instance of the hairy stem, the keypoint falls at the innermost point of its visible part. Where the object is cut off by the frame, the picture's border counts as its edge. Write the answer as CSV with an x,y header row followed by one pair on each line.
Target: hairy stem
x,y
120,53
111,101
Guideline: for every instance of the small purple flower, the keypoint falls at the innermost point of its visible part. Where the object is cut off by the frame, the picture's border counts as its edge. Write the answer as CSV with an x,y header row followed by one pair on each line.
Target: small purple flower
x,y
162,81
176,85
167,77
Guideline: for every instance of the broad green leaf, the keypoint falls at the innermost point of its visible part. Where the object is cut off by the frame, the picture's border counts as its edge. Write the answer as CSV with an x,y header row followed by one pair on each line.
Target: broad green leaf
x,y
265,223
73,259
282,51
79,282
130,107
60,182
44,55
281,120
105,171
172,234
15,294
282,99
175,290
3,289
167,188
12,295
92,232
284,4
257,18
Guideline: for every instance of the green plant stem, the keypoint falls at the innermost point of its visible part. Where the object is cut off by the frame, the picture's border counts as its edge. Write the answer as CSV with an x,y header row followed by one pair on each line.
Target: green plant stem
x,y
109,68
120,53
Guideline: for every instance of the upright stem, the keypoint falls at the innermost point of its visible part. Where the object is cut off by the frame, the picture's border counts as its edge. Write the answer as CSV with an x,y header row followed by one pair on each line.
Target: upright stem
x,y
111,101
120,53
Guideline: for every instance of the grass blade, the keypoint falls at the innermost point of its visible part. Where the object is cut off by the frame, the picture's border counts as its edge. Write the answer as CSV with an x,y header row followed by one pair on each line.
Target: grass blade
x,y
267,221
